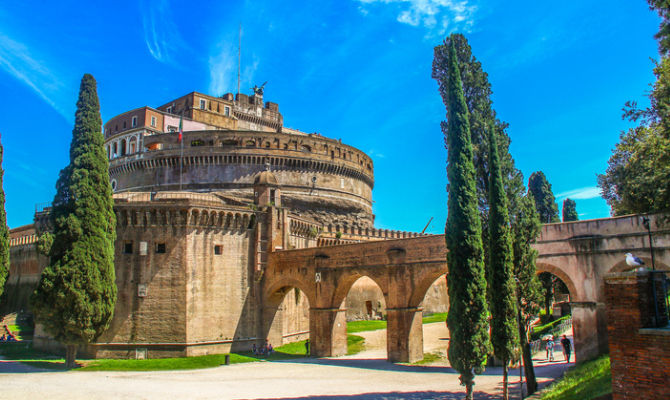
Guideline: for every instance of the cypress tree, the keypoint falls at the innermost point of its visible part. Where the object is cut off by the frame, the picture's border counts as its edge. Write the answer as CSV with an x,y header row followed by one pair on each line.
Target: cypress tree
x,y
75,297
526,227
504,328
467,320
4,231
569,210
545,203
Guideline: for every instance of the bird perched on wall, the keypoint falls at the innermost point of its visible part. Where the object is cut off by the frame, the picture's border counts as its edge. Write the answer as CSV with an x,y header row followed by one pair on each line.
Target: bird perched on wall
x,y
633,261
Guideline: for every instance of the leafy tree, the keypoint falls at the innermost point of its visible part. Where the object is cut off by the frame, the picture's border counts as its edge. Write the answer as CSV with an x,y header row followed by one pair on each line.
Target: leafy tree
x,y
569,210
504,328
467,320
526,228
637,179
663,35
76,294
545,203
4,231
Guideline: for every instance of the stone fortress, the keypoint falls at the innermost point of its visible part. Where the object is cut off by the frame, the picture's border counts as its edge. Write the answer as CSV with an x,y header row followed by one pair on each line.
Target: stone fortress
x,y
199,212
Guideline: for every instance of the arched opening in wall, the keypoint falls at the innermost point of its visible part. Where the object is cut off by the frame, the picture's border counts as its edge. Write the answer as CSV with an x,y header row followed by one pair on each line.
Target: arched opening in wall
x,y
123,147
554,315
286,319
435,306
366,318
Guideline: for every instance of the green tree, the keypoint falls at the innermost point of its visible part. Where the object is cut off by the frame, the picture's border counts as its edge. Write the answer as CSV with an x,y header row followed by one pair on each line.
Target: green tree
x,y
663,35
4,231
526,228
467,321
504,328
545,203
76,294
569,210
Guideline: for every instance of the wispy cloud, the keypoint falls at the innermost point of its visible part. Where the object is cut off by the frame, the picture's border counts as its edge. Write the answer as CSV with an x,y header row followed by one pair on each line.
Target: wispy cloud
x,y
437,16
18,60
375,154
222,68
161,34
590,192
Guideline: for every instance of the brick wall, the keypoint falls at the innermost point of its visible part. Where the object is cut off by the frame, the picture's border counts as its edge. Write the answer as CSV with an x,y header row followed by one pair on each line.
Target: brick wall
x,y
639,354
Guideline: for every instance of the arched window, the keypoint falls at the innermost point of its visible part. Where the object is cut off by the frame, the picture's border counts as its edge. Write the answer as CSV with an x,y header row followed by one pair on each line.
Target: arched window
x,y
123,147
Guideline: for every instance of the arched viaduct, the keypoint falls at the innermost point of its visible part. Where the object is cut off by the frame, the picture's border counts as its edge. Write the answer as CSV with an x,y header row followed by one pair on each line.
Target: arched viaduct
x,y
579,253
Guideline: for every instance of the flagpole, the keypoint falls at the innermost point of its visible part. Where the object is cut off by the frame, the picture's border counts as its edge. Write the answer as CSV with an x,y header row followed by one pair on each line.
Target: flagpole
x,y
181,152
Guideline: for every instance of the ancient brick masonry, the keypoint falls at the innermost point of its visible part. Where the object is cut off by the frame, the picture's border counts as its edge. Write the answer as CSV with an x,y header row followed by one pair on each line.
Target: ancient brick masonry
x,y
639,354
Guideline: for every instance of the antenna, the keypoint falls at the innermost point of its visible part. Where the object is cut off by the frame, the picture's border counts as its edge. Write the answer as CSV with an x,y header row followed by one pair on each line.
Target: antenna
x,y
424,229
239,60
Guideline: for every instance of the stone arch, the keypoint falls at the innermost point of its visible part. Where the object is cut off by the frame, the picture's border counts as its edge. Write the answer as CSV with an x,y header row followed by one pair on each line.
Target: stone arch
x,y
344,284
422,286
273,318
575,293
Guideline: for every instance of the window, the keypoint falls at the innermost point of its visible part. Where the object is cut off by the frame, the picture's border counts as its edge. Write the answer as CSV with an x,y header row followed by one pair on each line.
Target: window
x,y
169,110
218,249
203,104
226,111
128,247
134,123
160,248
153,121
124,124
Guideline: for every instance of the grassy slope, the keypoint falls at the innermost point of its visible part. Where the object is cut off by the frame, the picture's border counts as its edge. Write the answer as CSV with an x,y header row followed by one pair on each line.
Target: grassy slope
x,y
586,381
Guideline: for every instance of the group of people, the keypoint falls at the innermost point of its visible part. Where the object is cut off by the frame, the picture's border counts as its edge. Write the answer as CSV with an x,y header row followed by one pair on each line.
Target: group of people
x,y
8,336
565,343
265,349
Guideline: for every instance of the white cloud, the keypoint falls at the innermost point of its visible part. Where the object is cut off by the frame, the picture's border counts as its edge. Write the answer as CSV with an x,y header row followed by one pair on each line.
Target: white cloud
x,y
161,34
584,193
222,69
438,16
18,61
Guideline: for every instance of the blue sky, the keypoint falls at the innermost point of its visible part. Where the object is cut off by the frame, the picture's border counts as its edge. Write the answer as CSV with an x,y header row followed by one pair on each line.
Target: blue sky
x,y
358,70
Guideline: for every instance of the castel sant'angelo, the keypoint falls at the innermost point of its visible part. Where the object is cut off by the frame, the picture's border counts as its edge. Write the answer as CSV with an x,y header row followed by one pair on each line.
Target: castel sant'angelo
x,y
197,214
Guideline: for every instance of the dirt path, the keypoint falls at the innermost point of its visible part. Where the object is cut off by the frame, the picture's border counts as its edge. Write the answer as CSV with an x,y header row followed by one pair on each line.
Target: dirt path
x,y
366,376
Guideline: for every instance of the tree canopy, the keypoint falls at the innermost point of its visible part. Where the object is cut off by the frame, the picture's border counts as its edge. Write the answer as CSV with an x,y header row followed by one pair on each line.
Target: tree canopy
x,y
569,210
545,203
75,297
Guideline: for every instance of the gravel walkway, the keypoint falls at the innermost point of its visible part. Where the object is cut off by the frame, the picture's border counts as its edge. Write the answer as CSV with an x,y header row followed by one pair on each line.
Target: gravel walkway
x,y
364,376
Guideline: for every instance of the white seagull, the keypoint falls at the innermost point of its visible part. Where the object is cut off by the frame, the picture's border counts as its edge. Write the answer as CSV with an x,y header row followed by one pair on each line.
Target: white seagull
x,y
633,261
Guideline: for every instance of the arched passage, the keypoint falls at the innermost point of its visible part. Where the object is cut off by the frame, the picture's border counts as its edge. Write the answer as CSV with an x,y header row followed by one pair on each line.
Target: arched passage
x,y
435,306
285,314
365,301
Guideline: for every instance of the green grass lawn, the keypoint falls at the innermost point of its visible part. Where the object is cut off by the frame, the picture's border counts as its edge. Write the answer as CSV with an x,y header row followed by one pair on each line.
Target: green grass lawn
x,y
540,330
584,382
373,325
429,358
24,353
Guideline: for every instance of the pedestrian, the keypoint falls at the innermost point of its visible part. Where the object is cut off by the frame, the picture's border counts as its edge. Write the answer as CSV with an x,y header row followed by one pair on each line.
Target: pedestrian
x,y
307,347
567,348
254,349
550,349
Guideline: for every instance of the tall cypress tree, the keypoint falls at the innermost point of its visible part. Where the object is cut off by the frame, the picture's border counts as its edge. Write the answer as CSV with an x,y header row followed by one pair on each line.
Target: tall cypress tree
x,y
504,328
569,210
545,203
526,227
467,320
76,294
4,231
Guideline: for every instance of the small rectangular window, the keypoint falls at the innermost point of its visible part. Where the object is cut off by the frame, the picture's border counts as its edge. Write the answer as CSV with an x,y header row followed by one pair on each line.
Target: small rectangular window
x,y
218,249
226,111
203,104
169,110
153,121
128,247
124,124
134,124
160,248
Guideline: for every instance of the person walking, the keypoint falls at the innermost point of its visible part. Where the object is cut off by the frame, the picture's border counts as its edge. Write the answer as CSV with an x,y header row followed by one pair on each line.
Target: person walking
x,y
567,348
550,348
